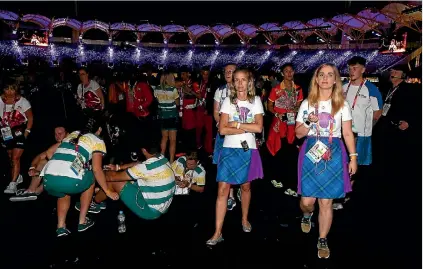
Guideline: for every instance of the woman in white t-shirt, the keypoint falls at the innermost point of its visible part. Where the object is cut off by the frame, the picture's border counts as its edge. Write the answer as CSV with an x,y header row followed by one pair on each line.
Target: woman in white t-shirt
x,y
239,161
15,123
323,169
89,93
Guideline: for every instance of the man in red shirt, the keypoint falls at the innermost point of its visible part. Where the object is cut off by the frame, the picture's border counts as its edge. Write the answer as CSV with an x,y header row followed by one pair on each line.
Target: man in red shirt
x,y
204,119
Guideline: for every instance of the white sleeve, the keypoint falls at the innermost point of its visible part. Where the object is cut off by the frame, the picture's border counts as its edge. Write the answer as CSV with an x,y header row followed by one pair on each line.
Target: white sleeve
x,y
217,95
79,91
258,106
226,106
346,112
94,85
25,104
303,108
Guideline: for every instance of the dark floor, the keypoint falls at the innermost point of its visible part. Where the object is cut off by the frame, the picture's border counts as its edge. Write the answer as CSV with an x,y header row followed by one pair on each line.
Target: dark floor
x,y
380,227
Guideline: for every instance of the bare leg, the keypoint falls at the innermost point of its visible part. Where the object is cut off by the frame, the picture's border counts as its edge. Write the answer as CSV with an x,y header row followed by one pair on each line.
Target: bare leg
x,y
245,202
307,205
172,146
231,193
85,199
63,205
16,163
221,204
35,185
325,217
163,144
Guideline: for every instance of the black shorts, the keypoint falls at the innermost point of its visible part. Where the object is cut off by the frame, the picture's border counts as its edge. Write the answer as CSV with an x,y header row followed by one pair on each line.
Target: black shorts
x,y
18,141
170,124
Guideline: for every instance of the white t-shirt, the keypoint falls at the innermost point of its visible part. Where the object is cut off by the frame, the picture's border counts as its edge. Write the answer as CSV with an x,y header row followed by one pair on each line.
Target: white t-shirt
x,y
22,105
221,94
92,87
248,111
368,100
325,108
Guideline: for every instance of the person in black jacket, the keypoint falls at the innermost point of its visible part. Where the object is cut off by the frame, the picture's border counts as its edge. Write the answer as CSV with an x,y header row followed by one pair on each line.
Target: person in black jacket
x,y
398,131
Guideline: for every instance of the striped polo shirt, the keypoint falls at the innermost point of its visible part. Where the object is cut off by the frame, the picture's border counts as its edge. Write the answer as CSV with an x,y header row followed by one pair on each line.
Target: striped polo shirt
x,y
61,161
156,181
167,105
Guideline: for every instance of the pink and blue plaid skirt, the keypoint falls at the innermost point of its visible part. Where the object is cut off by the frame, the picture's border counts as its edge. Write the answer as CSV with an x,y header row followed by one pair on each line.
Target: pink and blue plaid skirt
x,y
328,179
236,166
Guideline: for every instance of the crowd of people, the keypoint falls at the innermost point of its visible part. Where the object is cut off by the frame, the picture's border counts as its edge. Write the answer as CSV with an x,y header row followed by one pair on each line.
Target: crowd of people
x,y
152,131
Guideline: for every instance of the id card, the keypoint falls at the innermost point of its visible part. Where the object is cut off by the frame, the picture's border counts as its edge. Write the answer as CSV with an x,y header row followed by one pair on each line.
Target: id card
x,y
291,118
245,146
77,166
6,133
121,96
316,153
385,109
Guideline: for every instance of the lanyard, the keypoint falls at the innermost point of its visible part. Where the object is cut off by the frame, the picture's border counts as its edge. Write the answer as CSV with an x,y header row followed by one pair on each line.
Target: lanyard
x,y
390,93
356,95
316,107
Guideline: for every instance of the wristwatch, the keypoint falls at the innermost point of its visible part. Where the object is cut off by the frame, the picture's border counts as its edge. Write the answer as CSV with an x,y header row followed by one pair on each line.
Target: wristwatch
x,y
307,123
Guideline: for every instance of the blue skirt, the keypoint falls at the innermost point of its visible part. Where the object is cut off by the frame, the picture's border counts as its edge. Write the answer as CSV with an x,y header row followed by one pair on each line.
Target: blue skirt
x,y
326,179
236,166
218,145
364,150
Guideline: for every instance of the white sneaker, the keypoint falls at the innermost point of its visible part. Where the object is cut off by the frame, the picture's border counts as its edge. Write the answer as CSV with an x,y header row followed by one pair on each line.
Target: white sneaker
x,y
19,180
11,188
337,206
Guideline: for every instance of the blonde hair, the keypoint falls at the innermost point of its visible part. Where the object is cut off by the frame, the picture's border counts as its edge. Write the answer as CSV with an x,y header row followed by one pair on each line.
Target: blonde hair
x,y
337,98
167,79
251,90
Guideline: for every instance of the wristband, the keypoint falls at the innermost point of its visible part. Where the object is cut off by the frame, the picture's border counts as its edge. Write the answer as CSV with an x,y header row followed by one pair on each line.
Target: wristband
x,y
28,131
238,125
353,154
117,167
31,168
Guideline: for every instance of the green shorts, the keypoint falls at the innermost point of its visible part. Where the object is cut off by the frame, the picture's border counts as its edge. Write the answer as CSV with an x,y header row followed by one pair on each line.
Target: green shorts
x,y
60,186
132,197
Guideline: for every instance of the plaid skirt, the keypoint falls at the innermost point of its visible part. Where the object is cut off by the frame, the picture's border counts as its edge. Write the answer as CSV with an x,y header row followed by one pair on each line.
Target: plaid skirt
x,y
236,166
364,150
218,145
326,179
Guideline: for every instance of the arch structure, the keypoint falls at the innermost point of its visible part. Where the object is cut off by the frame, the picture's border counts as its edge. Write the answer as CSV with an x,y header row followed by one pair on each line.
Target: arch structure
x,y
352,25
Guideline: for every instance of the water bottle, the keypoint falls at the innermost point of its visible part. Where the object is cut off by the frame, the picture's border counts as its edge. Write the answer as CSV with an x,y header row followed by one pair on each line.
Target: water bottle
x,y
121,219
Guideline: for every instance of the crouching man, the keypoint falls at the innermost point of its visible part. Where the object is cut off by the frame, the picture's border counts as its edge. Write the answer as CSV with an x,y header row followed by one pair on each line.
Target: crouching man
x,y
146,188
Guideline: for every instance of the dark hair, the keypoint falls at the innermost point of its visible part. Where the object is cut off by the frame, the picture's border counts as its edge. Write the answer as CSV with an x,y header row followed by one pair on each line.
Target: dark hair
x,y
91,125
62,125
357,60
9,82
152,146
286,65
192,155
83,68
205,68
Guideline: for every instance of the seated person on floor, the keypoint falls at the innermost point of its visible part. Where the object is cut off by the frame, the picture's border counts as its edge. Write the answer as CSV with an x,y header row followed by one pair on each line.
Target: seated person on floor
x,y
189,174
146,188
35,187
68,172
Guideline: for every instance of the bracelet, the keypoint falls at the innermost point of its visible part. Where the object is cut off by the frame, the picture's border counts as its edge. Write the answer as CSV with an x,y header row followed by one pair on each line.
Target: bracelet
x,y
31,168
117,167
238,125
28,131
353,154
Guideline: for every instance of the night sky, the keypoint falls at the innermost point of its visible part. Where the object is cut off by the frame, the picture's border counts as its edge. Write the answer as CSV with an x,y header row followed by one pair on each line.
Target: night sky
x,y
189,13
